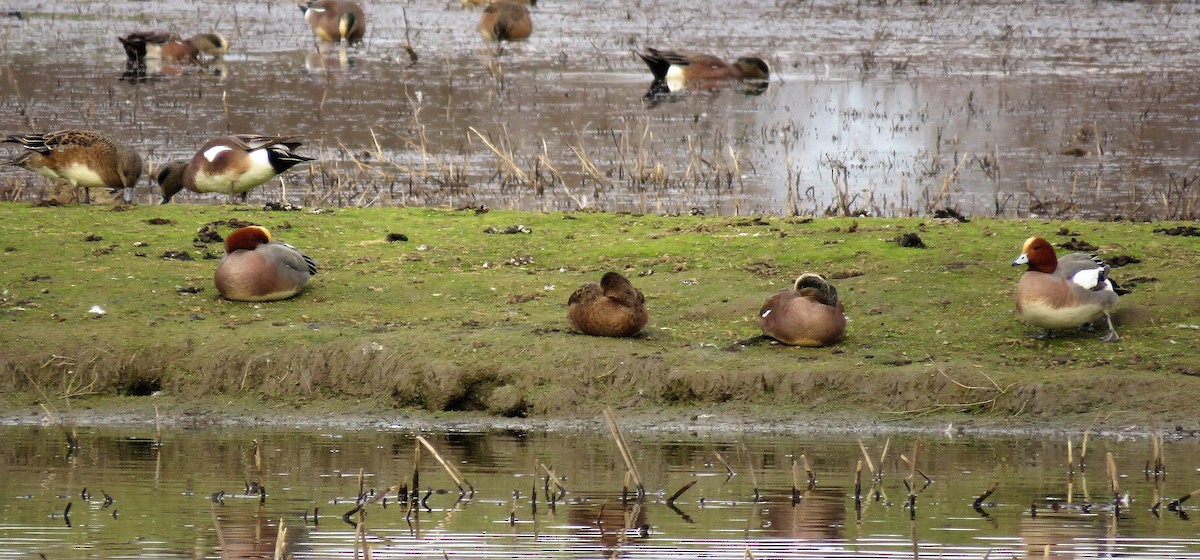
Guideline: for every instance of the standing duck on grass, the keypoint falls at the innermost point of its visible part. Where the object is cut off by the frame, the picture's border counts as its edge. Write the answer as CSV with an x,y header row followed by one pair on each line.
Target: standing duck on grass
x,y
807,314
258,268
231,165
335,20
612,307
1063,293
80,158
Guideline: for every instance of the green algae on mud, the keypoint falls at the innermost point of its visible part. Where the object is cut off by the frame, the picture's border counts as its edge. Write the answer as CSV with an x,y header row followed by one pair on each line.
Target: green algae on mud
x,y
464,317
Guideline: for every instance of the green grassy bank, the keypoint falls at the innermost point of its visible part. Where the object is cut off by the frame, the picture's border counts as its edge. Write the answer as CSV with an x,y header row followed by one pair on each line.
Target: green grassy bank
x,y
456,318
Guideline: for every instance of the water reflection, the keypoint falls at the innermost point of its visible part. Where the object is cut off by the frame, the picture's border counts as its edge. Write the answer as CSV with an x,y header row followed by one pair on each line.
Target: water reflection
x,y
134,497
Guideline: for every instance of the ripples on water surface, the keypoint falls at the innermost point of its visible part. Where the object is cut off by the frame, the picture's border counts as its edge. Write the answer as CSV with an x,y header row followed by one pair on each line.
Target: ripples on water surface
x,y
162,507
1078,107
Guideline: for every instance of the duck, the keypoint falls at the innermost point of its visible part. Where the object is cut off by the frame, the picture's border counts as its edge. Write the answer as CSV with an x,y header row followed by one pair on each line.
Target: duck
x,y
1062,293
610,307
335,20
256,267
807,314
676,71
80,158
171,48
231,165
505,21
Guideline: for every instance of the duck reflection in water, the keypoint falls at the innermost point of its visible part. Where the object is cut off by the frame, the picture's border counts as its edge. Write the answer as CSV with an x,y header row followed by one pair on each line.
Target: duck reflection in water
x,y
326,59
242,532
818,515
614,523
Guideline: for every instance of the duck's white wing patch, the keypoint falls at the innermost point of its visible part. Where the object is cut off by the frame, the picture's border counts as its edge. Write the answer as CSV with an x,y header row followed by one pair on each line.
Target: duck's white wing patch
x,y
211,154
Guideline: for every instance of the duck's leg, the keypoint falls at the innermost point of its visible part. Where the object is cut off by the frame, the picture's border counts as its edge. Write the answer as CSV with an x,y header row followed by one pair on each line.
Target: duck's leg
x,y
1047,335
1112,332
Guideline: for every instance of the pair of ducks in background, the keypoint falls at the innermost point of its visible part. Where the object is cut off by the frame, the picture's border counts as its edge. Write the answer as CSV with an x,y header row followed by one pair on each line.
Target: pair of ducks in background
x,y
90,159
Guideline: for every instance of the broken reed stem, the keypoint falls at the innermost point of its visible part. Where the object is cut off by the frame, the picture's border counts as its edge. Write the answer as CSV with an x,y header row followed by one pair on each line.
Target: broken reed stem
x,y
678,493
986,493
258,462
453,472
1114,484
753,477
887,443
416,476
867,457
720,459
508,162
913,464
280,541
611,419
858,481
1070,458
795,481
808,472
157,426
554,482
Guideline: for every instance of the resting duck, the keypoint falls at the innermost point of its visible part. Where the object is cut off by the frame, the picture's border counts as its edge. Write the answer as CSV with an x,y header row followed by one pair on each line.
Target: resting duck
x,y
807,314
336,20
676,71
231,165
80,158
171,48
258,268
505,21
612,307
1063,293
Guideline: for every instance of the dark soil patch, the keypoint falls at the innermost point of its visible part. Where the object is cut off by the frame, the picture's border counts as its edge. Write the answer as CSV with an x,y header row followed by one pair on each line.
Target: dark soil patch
x,y
1076,244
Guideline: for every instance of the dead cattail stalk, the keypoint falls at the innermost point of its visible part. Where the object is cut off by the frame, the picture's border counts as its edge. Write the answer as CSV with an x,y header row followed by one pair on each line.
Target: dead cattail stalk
x,y
1070,458
615,430
450,469
678,493
916,470
858,481
553,483
986,493
258,463
724,463
808,472
1113,482
280,541
867,458
1083,451
753,477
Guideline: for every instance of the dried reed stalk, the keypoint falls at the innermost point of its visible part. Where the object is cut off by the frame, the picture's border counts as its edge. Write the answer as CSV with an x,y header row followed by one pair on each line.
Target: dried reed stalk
x,y
915,469
1114,483
678,493
986,493
728,470
554,483
507,159
280,541
615,430
1174,505
867,458
858,481
450,469
750,466
258,463
808,472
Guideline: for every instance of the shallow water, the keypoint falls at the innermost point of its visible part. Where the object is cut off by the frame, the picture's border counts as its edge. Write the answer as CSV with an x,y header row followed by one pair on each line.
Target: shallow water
x,y
885,108
162,505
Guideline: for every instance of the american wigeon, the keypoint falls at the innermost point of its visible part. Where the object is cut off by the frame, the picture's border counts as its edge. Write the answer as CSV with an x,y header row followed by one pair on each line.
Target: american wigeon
x,y
258,268
677,71
231,165
336,20
81,158
1063,293
807,314
171,48
505,21
611,307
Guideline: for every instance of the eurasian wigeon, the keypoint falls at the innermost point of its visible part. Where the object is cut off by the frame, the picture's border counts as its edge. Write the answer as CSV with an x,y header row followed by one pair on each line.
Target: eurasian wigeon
x,y
1063,293
336,20
676,71
258,268
611,307
807,314
81,158
231,165
505,21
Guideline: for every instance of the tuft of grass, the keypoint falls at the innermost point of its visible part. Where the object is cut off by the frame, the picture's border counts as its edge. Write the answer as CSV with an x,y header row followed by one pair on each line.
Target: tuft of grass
x,y
455,318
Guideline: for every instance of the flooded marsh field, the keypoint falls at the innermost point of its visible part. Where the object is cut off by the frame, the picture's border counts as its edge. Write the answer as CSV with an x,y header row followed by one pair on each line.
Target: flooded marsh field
x,y
134,493
1079,108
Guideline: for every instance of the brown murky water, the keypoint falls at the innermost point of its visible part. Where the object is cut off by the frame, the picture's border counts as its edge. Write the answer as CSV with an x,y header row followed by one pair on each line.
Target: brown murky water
x,y
1083,107
162,496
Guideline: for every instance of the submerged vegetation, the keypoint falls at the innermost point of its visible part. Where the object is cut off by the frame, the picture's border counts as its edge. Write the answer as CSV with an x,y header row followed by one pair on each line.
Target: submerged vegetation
x,y
440,310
